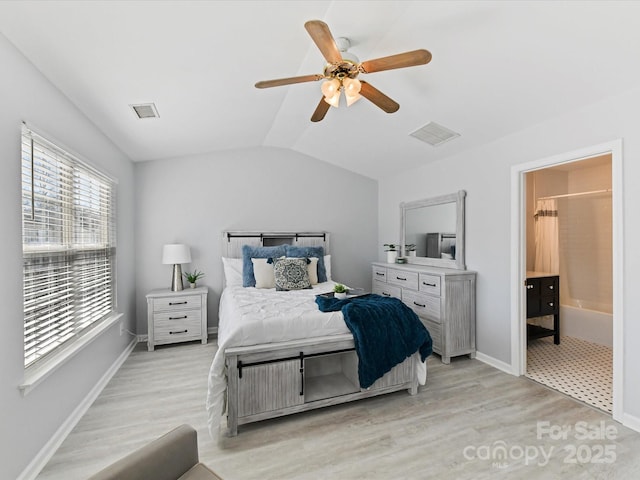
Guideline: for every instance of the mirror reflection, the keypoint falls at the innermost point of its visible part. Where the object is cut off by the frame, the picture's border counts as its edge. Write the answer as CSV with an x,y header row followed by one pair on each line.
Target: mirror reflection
x,y
432,231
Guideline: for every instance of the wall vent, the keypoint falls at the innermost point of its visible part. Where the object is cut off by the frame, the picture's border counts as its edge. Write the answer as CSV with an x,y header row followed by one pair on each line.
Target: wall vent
x,y
434,134
145,110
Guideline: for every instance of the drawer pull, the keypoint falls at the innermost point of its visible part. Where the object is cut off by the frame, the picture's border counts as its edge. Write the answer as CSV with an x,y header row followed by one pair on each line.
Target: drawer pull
x,y
181,331
550,287
400,278
386,294
429,284
551,304
380,274
178,303
419,305
177,318
529,287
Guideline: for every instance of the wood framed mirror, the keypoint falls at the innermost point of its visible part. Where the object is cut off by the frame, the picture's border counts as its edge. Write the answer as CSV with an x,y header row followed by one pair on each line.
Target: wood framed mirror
x,y
432,231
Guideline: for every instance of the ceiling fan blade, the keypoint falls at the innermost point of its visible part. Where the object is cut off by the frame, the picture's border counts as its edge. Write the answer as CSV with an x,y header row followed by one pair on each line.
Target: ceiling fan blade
x,y
401,60
288,81
321,35
321,110
377,97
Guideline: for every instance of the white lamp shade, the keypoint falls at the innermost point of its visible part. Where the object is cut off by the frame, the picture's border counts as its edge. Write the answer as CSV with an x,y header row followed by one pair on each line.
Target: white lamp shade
x,y
352,86
176,253
351,99
330,87
334,100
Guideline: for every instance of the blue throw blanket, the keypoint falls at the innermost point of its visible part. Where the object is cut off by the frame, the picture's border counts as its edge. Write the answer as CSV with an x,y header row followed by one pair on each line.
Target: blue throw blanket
x,y
385,331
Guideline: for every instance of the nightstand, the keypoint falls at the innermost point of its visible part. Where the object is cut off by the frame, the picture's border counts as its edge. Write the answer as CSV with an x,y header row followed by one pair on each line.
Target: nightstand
x,y
174,317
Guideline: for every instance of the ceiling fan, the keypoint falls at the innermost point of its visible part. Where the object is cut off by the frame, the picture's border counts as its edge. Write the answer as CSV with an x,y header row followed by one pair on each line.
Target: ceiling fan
x,y
340,73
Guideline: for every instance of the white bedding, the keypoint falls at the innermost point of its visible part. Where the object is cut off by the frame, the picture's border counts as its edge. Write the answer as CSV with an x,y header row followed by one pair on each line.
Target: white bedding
x,y
252,316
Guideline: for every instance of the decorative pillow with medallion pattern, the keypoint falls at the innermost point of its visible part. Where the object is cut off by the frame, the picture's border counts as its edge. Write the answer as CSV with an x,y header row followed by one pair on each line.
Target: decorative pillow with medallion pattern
x,y
291,273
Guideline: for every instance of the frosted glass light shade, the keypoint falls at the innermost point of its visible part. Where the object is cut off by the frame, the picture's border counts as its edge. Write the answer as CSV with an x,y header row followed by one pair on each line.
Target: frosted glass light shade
x,y
352,86
330,87
334,100
351,99
176,253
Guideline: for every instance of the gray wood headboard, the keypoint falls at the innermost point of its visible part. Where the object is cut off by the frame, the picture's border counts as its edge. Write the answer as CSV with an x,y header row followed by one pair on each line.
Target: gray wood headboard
x,y
232,242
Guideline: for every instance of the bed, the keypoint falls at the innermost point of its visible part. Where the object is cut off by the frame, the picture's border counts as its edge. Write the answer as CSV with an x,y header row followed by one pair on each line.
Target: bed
x,y
278,354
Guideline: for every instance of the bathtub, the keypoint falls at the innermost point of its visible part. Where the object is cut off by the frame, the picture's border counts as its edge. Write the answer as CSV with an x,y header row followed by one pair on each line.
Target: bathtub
x,y
590,325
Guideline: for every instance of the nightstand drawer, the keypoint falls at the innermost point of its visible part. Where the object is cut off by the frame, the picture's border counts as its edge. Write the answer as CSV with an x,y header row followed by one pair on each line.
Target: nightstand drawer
x,y
426,306
403,278
168,327
379,274
430,284
182,302
386,290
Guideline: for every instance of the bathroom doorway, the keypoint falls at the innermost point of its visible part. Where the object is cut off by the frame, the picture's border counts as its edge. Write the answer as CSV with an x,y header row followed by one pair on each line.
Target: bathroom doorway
x,y
569,264
518,364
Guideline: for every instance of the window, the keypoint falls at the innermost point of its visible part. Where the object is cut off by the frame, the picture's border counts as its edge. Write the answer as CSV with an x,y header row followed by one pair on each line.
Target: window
x,y
68,245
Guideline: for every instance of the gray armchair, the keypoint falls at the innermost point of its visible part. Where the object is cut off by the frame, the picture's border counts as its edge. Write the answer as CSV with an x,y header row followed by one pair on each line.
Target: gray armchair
x,y
174,456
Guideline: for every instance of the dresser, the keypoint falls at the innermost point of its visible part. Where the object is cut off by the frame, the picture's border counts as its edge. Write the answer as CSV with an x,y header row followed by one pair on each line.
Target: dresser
x,y
443,298
543,298
174,317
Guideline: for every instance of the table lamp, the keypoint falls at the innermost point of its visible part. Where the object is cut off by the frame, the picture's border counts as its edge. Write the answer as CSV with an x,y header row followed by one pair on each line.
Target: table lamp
x,y
176,254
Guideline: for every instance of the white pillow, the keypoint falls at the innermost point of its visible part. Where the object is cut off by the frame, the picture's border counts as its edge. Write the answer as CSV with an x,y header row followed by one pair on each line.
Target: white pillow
x,y
263,272
327,266
232,271
313,270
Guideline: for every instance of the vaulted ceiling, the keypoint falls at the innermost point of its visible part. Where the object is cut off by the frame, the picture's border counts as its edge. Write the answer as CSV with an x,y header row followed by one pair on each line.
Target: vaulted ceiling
x,y
497,67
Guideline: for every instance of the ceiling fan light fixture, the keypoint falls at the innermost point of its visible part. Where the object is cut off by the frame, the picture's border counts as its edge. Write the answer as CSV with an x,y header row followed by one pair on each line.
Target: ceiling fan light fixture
x,y
352,98
330,87
352,86
342,68
333,100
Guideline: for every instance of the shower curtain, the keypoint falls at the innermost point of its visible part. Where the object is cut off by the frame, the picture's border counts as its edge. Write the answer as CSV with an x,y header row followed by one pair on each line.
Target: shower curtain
x,y
546,230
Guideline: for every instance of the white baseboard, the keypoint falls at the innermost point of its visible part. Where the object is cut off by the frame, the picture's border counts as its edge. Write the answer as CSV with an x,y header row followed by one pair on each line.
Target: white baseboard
x,y
45,454
495,363
631,421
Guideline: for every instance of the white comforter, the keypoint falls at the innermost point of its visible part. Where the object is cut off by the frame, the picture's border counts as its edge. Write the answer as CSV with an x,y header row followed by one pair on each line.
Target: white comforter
x,y
252,316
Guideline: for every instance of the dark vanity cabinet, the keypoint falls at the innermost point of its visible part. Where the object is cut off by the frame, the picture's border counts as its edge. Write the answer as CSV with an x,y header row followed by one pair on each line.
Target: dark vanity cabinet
x,y
543,298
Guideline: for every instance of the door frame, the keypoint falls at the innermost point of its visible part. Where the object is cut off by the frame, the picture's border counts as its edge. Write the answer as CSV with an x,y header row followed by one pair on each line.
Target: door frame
x,y
518,258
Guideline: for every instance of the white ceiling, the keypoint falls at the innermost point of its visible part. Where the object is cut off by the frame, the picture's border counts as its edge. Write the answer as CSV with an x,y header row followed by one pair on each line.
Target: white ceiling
x,y
497,67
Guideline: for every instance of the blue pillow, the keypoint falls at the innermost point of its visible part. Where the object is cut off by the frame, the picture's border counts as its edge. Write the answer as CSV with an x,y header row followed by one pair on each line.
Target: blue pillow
x,y
249,252
318,252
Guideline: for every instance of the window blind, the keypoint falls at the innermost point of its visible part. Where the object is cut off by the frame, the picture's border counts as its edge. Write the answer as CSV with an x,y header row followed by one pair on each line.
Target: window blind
x,y
68,244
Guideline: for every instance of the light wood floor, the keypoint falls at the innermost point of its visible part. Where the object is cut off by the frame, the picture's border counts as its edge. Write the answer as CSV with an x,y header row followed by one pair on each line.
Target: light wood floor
x,y
450,430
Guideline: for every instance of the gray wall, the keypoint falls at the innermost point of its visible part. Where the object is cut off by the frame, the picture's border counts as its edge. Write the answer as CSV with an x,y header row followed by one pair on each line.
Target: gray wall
x,y
485,174
27,423
193,200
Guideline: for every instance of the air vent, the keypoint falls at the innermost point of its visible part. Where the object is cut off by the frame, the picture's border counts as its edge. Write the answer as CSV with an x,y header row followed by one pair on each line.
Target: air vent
x,y
145,110
434,134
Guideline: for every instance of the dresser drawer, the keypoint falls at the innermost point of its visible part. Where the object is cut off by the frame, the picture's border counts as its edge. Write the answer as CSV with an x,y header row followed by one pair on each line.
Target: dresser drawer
x,y
170,327
402,278
182,302
386,290
379,274
424,305
435,330
429,284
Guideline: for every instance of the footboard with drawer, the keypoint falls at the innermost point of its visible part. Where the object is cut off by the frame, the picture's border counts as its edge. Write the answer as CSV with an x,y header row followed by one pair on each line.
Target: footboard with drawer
x,y
272,380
